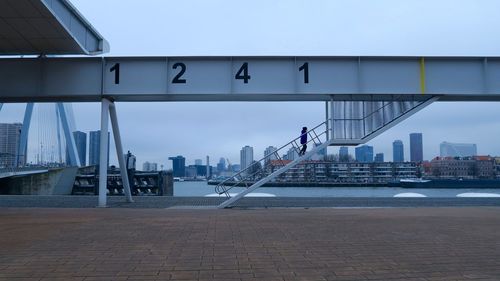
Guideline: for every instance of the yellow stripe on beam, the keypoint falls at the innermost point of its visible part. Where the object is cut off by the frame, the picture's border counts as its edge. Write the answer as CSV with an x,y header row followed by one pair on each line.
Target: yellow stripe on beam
x,y
422,75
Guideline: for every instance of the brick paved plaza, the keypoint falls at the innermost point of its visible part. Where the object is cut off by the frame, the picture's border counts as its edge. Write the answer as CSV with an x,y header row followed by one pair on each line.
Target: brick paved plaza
x,y
250,244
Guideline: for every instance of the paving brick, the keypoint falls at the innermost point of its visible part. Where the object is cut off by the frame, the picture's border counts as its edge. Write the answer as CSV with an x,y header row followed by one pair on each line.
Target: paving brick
x,y
250,244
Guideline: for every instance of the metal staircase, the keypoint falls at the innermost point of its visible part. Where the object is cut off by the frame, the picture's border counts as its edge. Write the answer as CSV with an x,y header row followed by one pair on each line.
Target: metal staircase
x,y
254,176
352,123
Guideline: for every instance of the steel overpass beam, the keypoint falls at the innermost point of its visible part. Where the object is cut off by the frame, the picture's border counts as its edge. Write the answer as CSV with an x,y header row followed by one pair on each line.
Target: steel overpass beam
x,y
248,78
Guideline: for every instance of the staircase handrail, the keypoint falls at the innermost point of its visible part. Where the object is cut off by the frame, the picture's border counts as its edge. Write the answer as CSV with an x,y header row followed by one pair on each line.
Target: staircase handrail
x,y
220,185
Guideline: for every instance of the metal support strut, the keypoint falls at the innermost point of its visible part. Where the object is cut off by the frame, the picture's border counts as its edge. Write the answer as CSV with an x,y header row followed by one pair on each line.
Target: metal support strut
x,y
119,152
108,110
103,153
70,139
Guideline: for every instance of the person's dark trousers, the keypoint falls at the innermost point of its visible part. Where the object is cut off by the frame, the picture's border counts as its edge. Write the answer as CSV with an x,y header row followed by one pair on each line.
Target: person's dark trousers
x,y
303,150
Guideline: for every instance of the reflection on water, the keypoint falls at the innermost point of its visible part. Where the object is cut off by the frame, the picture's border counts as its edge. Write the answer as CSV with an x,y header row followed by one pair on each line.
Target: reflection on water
x,y
203,189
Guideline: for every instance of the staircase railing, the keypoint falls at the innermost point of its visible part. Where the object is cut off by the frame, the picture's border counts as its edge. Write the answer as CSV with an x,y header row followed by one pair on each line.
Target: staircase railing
x,y
256,169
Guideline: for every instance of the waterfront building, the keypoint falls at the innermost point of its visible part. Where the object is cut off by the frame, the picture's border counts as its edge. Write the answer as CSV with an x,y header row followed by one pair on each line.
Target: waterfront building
x,y
485,167
398,154
364,153
10,136
463,167
416,147
204,170
246,157
448,149
497,166
178,166
190,172
343,154
197,171
344,172
269,154
198,162
130,161
94,147
379,157
221,166
149,167
81,147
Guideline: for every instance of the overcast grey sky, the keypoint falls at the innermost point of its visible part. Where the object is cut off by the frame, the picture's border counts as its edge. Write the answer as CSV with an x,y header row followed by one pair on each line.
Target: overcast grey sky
x,y
155,131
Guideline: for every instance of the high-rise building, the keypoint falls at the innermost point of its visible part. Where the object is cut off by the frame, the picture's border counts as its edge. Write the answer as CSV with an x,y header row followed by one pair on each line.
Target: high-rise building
x,y
221,166
130,160
10,136
448,149
364,153
270,151
343,154
246,157
292,154
149,167
398,154
81,147
94,147
416,147
198,162
379,157
178,166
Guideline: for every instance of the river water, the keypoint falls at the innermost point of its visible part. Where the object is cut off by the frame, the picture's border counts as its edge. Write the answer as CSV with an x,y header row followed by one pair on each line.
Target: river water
x,y
203,189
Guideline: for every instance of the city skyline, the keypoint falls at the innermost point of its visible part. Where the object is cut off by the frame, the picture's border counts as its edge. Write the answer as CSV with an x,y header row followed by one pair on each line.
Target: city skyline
x,y
80,140
327,30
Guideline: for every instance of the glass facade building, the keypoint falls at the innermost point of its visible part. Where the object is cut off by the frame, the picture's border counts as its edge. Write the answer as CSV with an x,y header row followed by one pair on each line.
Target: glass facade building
x,y
246,157
364,153
398,154
448,149
178,166
81,147
94,147
416,147
10,136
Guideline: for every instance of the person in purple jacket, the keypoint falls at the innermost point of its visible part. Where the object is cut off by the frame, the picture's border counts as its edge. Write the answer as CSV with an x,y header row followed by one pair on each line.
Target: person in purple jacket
x,y
303,140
